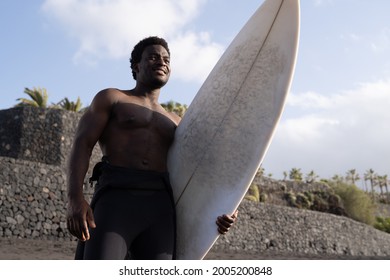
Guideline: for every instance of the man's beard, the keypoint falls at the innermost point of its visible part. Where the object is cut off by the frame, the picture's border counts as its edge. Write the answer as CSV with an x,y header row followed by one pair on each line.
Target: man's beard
x,y
158,83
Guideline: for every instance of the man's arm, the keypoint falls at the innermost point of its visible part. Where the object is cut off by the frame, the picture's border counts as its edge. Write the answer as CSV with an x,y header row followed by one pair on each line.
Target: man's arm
x,y
89,129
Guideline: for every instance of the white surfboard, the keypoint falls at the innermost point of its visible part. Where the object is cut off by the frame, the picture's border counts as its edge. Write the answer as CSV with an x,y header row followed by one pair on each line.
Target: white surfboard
x,y
223,137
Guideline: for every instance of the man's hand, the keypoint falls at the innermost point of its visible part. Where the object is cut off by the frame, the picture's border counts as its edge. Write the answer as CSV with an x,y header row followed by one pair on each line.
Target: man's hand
x,y
79,218
224,222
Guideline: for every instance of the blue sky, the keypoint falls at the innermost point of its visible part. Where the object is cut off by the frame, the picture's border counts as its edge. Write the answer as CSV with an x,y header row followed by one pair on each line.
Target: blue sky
x,y
337,113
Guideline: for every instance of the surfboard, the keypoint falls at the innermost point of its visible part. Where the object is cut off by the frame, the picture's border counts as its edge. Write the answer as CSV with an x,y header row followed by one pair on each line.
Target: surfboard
x,y
223,137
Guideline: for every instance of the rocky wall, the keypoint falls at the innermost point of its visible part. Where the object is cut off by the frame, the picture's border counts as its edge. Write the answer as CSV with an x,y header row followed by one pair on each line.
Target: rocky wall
x,y
272,228
33,205
33,200
39,135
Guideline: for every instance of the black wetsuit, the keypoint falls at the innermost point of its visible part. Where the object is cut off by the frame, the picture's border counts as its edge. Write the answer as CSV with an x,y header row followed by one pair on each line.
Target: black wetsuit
x,y
134,215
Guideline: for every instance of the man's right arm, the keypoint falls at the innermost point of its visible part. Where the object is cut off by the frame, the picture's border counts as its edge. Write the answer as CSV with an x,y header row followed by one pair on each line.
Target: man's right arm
x,y
89,129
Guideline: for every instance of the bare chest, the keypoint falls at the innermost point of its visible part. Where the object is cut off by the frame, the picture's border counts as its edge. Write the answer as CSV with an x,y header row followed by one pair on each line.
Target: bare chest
x,y
131,117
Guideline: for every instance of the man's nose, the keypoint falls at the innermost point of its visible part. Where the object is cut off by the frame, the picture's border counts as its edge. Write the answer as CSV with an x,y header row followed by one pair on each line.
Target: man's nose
x,y
160,60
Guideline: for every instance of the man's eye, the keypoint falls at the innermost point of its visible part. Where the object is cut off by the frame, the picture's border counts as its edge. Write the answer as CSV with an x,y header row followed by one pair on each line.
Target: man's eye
x,y
155,58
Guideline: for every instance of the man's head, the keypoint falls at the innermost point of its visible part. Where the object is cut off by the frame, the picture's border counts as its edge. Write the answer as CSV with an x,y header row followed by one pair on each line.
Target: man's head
x,y
136,54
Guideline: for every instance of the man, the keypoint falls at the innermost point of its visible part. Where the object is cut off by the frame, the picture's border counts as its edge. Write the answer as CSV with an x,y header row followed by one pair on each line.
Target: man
x,y
132,212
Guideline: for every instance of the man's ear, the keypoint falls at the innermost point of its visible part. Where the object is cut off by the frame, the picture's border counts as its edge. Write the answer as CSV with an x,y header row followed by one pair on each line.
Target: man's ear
x,y
135,68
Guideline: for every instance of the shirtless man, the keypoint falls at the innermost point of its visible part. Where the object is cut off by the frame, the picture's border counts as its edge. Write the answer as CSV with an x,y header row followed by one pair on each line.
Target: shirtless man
x,y
132,211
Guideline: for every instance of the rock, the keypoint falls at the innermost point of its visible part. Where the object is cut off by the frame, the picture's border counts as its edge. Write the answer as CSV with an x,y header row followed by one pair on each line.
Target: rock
x,y
11,221
36,181
20,219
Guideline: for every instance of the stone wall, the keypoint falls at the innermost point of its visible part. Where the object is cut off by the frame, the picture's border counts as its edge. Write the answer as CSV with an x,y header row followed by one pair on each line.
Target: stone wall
x,y
39,135
34,149
272,228
33,197
32,200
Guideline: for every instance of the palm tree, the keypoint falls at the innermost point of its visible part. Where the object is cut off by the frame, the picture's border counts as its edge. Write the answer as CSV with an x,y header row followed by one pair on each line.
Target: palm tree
x,y
311,177
386,181
380,184
296,174
371,176
70,105
285,174
352,176
175,107
338,178
260,172
38,97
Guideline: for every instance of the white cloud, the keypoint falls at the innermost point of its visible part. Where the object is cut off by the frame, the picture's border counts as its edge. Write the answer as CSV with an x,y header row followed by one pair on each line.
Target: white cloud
x,y
382,42
332,134
198,55
109,29
309,100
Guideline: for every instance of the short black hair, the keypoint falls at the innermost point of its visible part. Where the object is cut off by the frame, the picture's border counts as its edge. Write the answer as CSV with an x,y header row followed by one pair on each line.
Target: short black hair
x,y
136,54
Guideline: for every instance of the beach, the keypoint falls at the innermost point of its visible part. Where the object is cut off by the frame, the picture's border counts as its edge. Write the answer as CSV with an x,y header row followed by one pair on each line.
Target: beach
x,y
32,249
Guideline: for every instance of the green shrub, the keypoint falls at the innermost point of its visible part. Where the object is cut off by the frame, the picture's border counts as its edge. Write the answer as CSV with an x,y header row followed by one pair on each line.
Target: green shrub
x,y
290,198
309,195
263,197
253,193
302,201
319,204
357,204
382,224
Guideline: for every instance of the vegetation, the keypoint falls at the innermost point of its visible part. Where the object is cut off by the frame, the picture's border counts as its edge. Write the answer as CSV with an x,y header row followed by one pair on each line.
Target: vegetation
x,y
339,195
357,204
253,193
382,224
70,105
311,177
296,174
352,176
38,97
175,107
322,201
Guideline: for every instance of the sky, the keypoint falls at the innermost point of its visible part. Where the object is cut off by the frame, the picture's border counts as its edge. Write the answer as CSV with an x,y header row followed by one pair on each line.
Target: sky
x,y
337,114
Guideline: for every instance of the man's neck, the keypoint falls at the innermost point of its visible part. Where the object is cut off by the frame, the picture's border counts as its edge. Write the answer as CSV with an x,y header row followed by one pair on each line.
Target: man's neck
x,y
152,94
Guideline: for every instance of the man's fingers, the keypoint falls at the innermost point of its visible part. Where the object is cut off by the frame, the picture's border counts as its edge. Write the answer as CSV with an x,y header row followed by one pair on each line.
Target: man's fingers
x,y
225,222
80,220
90,218
85,231
88,222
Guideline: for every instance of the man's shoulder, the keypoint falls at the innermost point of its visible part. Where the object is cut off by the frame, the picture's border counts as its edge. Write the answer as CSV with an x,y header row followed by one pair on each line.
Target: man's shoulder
x,y
107,92
106,98
111,95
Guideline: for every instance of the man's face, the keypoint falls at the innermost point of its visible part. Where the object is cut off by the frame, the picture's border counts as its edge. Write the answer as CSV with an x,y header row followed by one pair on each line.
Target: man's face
x,y
154,68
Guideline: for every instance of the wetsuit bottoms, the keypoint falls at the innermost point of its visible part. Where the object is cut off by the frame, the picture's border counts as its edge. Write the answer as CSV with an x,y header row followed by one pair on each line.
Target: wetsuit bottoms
x,y
134,216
